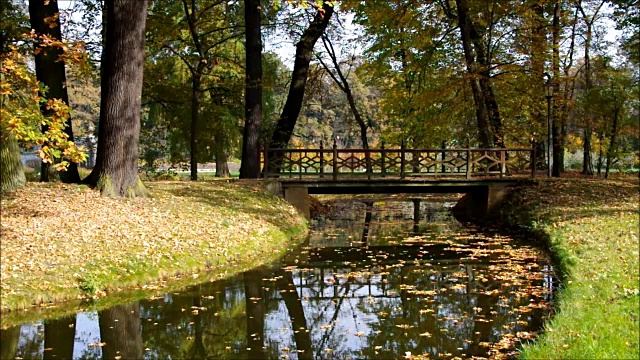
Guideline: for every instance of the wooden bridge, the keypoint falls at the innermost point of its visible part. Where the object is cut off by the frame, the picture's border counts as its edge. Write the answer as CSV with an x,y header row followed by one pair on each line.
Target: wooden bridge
x,y
484,174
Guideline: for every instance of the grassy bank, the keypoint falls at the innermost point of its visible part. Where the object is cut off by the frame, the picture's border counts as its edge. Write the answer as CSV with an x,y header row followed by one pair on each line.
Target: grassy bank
x,y
591,226
65,242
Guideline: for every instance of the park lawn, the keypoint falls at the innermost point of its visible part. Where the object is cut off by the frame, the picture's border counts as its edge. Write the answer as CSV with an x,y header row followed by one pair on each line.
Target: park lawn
x,y
66,242
591,226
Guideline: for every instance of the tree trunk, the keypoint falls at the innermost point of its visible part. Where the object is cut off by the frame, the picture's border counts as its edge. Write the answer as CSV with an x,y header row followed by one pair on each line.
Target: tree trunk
x,y
479,100
493,112
343,83
250,166
601,136
121,330
50,72
222,166
587,164
116,169
569,89
304,48
612,141
11,170
558,145
59,336
195,112
536,62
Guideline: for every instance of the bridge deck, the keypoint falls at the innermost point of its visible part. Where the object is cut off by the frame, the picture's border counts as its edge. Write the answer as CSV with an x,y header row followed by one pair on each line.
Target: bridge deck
x,y
395,186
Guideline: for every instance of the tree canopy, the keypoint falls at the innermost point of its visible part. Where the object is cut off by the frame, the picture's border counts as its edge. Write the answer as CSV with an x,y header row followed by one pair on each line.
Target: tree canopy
x,y
459,73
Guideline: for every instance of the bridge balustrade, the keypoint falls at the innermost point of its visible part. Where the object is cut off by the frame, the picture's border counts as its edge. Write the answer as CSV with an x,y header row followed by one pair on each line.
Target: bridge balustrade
x,y
402,163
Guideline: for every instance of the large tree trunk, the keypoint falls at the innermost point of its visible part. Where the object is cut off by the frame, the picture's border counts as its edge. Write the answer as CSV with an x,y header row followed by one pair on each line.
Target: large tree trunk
x,y
479,100
121,330
11,170
558,145
304,49
116,170
250,166
51,73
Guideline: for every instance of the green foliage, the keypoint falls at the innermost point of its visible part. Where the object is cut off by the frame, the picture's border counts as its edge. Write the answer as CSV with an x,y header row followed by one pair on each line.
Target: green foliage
x,y
169,72
20,115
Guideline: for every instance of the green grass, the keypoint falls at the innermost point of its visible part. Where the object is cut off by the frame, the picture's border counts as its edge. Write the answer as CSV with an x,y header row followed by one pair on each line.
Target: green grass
x,y
591,227
86,247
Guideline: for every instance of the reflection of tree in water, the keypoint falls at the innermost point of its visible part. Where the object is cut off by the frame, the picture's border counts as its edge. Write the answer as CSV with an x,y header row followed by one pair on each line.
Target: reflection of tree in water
x,y
59,337
49,339
376,222
200,321
120,330
254,299
436,295
211,320
457,313
30,344
9,342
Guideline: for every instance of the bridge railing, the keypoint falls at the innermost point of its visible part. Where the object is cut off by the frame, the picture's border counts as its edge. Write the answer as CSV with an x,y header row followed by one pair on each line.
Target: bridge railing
x,y
334,163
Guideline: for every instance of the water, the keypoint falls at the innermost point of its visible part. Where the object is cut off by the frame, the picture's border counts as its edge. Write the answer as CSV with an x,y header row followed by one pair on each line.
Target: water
x,y
369,283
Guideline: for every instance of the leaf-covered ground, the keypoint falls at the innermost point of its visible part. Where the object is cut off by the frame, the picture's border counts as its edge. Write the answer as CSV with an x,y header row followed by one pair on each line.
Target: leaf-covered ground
x,y
64,242
591,226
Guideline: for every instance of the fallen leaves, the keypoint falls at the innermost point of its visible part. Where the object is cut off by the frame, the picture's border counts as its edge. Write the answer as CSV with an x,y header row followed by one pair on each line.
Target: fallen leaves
x,y
58,240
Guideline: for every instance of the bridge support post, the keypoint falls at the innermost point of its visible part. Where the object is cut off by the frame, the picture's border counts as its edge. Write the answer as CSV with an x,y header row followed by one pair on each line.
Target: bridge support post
x,y
299,198
416,215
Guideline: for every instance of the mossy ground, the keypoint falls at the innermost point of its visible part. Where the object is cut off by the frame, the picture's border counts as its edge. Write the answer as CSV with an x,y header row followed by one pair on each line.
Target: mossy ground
x,y
591,226
66,242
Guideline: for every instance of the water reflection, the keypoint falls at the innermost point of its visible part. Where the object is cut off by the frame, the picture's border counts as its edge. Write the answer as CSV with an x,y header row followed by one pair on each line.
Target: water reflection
x,y
378,285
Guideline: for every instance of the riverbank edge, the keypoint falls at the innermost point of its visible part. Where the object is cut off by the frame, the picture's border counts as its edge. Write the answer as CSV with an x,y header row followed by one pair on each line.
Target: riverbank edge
x,y
273,245
553,234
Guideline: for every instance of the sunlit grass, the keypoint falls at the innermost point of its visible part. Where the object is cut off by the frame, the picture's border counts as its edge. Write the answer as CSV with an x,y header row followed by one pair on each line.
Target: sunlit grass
x,y
592,227
63,242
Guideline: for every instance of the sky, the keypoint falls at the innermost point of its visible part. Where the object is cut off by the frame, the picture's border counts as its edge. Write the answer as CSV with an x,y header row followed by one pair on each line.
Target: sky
x,y
284,46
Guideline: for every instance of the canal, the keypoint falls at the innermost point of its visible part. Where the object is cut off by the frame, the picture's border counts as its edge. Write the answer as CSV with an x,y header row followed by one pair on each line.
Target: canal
x,y
377,278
